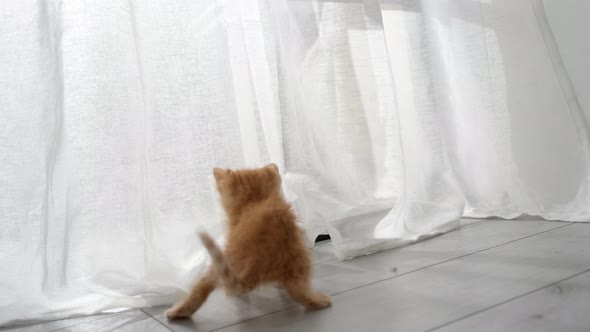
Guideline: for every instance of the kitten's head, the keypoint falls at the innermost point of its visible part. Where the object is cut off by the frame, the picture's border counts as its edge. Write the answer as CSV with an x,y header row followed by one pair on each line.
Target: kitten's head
x,y
247,185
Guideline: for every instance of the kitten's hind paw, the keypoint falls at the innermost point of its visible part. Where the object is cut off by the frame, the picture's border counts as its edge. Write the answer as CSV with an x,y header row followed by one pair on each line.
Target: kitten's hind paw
x,y
319,301
178,312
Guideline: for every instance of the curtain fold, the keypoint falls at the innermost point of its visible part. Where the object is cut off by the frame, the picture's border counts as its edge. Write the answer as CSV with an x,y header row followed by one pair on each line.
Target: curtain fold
x,y
390,120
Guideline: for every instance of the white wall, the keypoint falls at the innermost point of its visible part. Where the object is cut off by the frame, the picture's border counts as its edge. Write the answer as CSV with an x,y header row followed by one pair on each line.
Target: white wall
x,y
570,23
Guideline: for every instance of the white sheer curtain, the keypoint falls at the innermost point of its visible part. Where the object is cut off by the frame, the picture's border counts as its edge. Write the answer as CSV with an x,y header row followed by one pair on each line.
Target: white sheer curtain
x,y
389,120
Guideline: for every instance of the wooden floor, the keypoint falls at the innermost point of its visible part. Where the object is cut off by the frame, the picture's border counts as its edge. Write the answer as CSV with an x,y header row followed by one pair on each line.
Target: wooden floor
x,y
492,275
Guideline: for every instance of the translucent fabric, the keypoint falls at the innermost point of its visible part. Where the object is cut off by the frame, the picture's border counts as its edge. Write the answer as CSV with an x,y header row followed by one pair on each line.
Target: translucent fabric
x,y
389,121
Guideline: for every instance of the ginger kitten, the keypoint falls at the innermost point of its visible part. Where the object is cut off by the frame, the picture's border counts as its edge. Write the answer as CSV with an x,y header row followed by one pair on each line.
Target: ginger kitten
x,y
264,243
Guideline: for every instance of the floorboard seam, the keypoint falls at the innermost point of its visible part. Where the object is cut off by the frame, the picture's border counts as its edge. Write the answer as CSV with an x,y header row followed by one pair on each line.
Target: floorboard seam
x,y
462,227
402,274
507,301
157,320
450,259
89,321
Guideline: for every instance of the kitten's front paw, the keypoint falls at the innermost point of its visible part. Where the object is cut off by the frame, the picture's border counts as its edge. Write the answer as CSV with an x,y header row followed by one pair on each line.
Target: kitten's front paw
x,y
177,312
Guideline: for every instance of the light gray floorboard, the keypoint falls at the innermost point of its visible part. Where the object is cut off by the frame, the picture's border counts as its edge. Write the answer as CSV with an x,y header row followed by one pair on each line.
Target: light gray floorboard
x,y
433,296
128,321
563,306
339,276
54,325
336,276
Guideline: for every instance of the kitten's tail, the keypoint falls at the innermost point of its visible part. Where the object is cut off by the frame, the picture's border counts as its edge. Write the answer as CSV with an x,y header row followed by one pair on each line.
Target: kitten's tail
x,y
228,278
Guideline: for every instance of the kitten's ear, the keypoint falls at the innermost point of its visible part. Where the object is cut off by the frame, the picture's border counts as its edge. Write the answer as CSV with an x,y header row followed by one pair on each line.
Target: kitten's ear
x,y
273,167
220,174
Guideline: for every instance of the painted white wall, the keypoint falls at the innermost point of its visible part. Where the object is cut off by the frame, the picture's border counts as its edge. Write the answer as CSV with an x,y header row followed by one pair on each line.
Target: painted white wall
x,y
570,23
